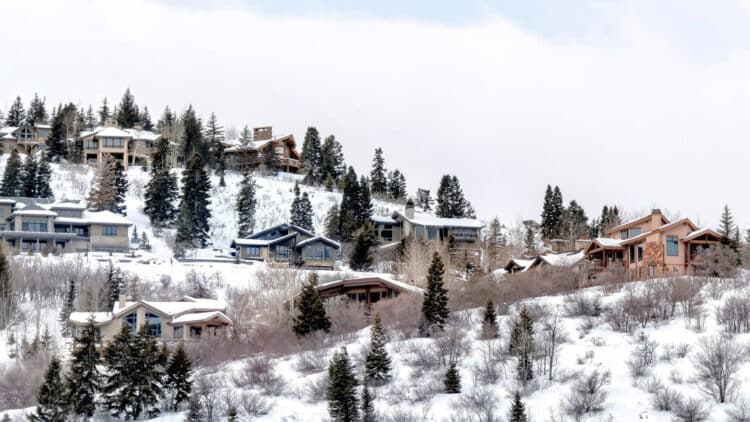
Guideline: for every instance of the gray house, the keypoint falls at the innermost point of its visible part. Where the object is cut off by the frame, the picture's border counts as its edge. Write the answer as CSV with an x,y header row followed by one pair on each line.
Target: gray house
x,y
288,245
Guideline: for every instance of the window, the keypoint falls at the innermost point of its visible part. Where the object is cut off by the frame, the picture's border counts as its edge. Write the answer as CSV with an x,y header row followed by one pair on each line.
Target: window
x,y
130,321
387,233
464,234
673,248
92,145
113,142
195,331
33,226
282,253
252,251
69,213
109,230
431,233
632,253
2,213
640,252
635,232
153,322
309,252
652,270
623,234
177,333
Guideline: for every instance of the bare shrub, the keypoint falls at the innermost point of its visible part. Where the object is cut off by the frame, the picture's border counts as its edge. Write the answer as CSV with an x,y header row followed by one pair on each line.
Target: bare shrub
x,y
675,376
312,361
400,414
20,382
582,303
479,404
491,363
258,372
739,412
717,361
451,346
346,319
682,349
692,410
316,388
588,394
666,399
643,356
421,356
651,384
254,404
206,387
619,319
719,262
734,314
401,314
550,338
687,293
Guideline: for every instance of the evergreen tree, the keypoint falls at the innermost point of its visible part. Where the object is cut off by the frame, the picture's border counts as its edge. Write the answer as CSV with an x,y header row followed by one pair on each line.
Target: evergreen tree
x,y
67,308
495,242
367,408
195,410
246,205
84,382
56,145
332,223
517,409
396,185
104,112
489,321
7,296
558,210
106,194
332,167
90,118
30,167
378,182
192,221
161,189
134,239
310,157
377,362
51,403
452,380
271,159
341,393
726,223
311,314
121,187
364,241
349,208
192,137
424,200
43,176
214,136
110,291
145,120
363,211
522,344
435,303
127,114
451,202
16,114
178,377
13,180
302,212
548,223
37,113
144,243
575,223
246,136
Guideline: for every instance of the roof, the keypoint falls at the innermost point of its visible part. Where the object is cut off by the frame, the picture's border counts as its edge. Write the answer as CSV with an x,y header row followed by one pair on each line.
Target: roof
x,y
251,242
425,219
637,221
524,264
282,226
105,217
318,239
35,210
383,219
111,132
184,305
70,204
84,317
141,134
698,233
664,227
394,284
563,259
608,242
194,317
237,145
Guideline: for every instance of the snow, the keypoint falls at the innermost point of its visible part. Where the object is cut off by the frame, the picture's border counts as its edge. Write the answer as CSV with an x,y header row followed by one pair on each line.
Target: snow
x,y
318,238
563,259
145,135
199,317
105,217
608,242
110,132
425,219
523,263
84,317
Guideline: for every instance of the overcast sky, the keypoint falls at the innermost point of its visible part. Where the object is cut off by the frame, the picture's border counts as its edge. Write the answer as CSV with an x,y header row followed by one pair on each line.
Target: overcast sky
x,y
628,102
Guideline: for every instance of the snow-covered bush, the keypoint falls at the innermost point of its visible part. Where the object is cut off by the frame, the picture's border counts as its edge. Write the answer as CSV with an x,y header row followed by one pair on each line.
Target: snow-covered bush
x,y
734,314
490,366
643,356
717,361
691,410
666,399
479,404
312,361
254,404
739,412
588,394
583,303
258,373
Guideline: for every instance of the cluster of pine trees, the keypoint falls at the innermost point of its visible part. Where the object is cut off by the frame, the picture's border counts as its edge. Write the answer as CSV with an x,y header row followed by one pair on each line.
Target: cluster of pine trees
x,y
451,202
323,162
30,178
560,222
138,375
386,184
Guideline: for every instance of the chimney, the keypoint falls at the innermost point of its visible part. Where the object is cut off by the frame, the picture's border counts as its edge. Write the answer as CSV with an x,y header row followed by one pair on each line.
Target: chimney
x,y
409,211
121,301
262,133
656,211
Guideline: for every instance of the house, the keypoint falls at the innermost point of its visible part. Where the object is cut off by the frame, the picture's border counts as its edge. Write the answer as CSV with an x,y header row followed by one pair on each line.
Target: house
x,y
25,139
465,233
651,246
186,319
551,260
517,265
290,245
367,290
64,226
246,154
129,147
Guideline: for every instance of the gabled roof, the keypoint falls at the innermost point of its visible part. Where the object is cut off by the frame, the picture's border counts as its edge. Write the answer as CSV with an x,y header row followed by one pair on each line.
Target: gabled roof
x,y
195,317
318,239
369,280
145,135
236,145
429,220
282,226
262,242
111,132
562,259
186,304
105,217
639,220
603,243
523,264
35,210
698,233
664,227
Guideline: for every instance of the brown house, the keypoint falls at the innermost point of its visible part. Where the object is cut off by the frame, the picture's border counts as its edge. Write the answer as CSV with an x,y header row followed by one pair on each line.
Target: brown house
x,y
248,154
25,139
651,246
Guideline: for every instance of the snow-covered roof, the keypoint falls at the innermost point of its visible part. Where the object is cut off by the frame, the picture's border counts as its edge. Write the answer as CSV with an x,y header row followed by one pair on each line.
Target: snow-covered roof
x,y
105,217
186,304
84,317
194,317
525,264
8,130
397,285
562,259
316,239
252,242
697,233
70,204
425,219
608,242
35,210
383,219
145,135
110,132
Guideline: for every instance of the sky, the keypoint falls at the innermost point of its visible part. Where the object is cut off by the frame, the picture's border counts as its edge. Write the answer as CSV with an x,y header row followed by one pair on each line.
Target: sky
x,y
631,102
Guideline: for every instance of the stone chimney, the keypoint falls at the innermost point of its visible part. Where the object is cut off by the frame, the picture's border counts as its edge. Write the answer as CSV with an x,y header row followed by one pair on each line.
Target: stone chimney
x,y
656,211
409,211
121,301
262,133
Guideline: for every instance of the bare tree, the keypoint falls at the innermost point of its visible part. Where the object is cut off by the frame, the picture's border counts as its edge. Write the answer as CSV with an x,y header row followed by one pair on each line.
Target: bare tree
x,y
552,335
739,412
717,361
588,394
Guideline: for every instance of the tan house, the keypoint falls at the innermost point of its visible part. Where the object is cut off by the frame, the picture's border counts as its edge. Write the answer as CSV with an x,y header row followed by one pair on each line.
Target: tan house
x,y
288,245
651,246
186,319
366,290
25,139
64,226
248,154
126,146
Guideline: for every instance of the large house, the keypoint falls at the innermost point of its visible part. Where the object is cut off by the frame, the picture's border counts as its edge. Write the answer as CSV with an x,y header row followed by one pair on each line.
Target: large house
x,y
65,226
410,224
126,146
571,260
651,246
289,245
25,139
187,319
246,154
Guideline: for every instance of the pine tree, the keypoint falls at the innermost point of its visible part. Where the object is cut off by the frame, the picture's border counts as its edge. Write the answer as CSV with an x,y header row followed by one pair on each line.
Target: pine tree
x,y
178,377
56,146
363,211
271,159
311,314
145,120
301,210
548,223
195,410
341,393
121,187
517,409
90,118
214,136
127,114
104,112
134,239
452,380
161,190
7,296
16,114
84,381
105,195
43,176
30,167
332,223
246,136
350,203
574,222
111,289
192,221
396,185
424,200
51,403
37,113
192,137
522,344
367,407
377,361
451,202
332,167
378,182
67,308
726,223
144,243
435,303
311,160
246,205
489,321
13,177
361,256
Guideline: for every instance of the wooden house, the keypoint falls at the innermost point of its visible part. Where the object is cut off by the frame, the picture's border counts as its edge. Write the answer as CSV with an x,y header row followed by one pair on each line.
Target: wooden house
x,y
252,153
288,245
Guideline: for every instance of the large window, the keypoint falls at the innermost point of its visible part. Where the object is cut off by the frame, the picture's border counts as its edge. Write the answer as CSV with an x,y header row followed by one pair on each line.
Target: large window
x,y
623,234
252,251
113,142
673,248
632,253
318,252
635,232
69,213
387,232
464,234
130,321
282,253
640,252
195,331
33,226
109,230
92,145
177,332
153,322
